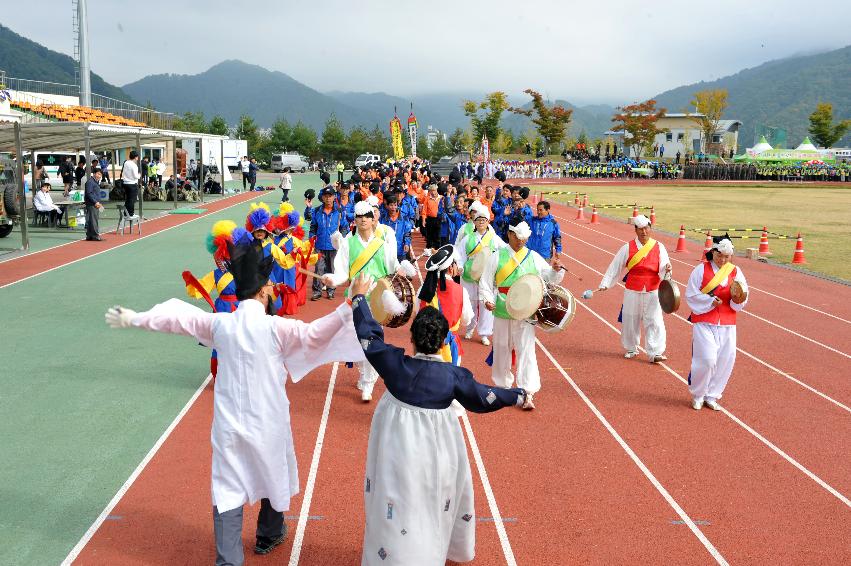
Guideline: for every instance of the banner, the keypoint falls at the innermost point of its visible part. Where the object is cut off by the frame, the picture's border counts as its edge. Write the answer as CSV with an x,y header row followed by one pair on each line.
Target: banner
x,y
486,149
412,131
396,138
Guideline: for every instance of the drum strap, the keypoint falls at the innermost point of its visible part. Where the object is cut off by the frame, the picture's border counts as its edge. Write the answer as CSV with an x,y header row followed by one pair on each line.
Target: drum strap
x,y
511,265
641,253
364,256
483,241
722,274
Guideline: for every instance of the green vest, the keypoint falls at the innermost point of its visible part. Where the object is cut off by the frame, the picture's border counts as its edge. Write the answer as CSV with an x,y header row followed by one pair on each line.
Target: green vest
x,y
472,240
527,266
375,267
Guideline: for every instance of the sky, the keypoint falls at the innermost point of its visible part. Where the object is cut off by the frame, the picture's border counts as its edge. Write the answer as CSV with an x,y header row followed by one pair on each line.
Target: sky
x,y
607,52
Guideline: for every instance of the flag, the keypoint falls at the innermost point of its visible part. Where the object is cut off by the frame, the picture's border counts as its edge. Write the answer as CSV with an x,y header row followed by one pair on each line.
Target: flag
x,y
412,131
396,138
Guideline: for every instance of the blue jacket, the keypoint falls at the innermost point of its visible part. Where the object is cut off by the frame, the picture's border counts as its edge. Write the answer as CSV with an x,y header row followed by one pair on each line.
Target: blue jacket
x,y
525,213
92,192
402,227
409,207
444,209
546,235
323,224
500,220
456,220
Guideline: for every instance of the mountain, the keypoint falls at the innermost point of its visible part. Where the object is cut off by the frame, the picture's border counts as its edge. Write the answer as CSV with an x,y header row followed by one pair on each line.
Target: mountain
x,y
781,93
25,59
233,88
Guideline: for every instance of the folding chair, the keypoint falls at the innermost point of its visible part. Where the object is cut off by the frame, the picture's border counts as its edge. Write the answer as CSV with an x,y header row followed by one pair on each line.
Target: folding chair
x,y
125,218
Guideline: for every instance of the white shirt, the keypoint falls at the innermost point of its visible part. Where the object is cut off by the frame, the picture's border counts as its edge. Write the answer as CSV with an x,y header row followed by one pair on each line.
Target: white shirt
x,y
44,202
160,167
461,248
130,173
487,283
700,303
341,260
618,265
244,165
286,181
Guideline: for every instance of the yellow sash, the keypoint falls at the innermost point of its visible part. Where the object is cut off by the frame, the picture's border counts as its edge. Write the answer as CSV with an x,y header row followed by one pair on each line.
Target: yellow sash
x,y
485,241
365,255
224,281
641,254
512,264
722,274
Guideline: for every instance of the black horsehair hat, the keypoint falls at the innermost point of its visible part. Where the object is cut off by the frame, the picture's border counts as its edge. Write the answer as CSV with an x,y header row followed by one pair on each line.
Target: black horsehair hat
x,y
250,268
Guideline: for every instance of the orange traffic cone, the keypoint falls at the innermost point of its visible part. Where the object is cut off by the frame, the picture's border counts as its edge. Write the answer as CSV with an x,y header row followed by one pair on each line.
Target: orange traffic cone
x,y
681,240
653,215
707,245
594,218
585,201
580,213
799,250
763,242
576,199
634,210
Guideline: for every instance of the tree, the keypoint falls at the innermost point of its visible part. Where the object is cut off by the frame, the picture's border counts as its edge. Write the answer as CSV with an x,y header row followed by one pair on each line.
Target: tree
x,y
455,140
550,121
503,142
379,142
822,129
484,116
638,122
280,136
439,148
218,126
246,129
333,144
357,142
191,122
709,106
304,140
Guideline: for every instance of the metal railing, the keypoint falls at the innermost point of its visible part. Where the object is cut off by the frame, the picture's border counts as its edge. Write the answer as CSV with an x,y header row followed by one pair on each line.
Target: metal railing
x,y
43,87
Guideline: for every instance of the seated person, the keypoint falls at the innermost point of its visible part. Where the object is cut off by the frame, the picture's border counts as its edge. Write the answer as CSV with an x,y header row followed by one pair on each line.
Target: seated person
x,y
43,202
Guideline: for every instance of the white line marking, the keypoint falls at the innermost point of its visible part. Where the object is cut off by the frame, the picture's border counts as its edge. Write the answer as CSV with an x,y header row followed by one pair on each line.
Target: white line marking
x,y
483,474
755,358
748,313
298,540
634,457
673,258
136,473
745,426
138,239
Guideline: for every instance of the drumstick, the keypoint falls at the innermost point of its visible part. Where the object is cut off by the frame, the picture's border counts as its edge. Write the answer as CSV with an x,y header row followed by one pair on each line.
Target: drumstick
x,y
313,274
569,272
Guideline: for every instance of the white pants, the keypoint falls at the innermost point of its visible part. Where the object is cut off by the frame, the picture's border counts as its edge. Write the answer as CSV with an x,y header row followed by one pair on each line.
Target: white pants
x,y
517,335
642,307
482,317
368,375
712,358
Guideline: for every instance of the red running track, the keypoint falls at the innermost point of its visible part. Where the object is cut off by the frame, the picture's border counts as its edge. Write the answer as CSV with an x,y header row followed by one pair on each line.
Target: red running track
x,y
567,490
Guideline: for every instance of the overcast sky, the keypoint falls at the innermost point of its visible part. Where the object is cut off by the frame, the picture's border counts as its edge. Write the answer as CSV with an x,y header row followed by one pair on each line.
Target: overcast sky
x,y
608,51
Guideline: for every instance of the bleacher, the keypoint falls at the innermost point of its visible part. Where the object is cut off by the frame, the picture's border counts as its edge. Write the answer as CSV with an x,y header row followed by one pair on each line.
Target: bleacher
x,y
60,113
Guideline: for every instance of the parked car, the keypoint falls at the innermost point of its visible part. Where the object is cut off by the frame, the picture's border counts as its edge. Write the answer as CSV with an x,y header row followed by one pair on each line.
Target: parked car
x,y
294,161
367,159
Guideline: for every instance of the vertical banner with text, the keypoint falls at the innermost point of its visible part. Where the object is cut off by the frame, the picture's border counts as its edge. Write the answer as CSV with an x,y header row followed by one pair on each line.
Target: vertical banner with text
x,y
396,138
412,131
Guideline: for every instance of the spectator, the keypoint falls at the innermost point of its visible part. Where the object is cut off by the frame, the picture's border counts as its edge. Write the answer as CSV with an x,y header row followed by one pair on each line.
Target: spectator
x,y
327,220
93,207
130,178
431,208
43,202
66,171
546,235
80,172
252,172
40,174
152,173
340,169
161,167
143,171
104,167
286,184
193,172
245,167
661,151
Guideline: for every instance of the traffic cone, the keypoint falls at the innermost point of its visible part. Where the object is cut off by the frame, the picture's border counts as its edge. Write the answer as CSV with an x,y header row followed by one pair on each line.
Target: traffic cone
x,y
585,201
681,240
799,250
594,218
763,242
634,210
707,245
576,199
580,213
653,215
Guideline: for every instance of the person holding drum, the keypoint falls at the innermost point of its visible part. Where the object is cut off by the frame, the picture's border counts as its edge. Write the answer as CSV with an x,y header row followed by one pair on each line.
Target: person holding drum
x,y
646,263
471,255
364,252
716,291
516,334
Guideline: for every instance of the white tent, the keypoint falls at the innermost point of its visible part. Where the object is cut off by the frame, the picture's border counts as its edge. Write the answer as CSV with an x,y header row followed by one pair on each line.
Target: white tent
x,y
763,145
806,145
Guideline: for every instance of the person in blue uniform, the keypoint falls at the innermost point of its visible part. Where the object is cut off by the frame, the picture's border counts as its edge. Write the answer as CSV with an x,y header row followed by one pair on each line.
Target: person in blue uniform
x,y
546,234
418,489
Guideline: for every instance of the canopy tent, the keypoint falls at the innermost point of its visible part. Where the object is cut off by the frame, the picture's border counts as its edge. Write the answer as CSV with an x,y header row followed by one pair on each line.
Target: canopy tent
x,y
763,145
806,145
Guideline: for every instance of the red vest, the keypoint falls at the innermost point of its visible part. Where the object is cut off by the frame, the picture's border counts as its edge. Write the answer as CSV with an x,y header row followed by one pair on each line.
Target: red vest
x,y
644,276
450,301
723,314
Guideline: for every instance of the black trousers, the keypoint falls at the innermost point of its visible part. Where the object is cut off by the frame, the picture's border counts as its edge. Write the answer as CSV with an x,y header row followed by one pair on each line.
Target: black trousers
x,y
228,530
131,193
92,216
432,226
244,180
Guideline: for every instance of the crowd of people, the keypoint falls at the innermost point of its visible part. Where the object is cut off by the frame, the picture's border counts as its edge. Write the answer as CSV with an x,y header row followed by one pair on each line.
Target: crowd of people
x,y
839,172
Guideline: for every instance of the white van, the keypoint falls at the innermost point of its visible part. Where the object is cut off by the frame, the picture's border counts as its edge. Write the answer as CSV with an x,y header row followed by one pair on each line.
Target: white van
x,y
367,159
294,161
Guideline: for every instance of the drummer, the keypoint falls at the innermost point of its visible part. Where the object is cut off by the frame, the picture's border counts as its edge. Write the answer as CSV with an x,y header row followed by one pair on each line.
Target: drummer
x,y
482,241
514,337
364,252
646,263
716,291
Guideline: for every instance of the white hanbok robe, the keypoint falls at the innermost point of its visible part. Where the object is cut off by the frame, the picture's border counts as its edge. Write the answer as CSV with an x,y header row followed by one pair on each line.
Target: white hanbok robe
x,y
713,349
483,318
253,454
640,308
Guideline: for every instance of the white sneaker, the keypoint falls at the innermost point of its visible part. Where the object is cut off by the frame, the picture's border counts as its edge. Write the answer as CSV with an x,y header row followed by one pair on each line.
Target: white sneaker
x,y
469,335
696,404
629,355
486,341
366,393
528,405
713,404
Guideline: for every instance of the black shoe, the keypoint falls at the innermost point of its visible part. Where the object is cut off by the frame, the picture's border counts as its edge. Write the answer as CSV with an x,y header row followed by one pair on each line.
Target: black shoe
x,y
265,545
331,294
316,296
94,239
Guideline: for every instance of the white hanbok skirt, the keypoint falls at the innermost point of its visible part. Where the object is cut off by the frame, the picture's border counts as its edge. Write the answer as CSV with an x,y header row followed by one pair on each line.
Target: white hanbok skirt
x,y
418,490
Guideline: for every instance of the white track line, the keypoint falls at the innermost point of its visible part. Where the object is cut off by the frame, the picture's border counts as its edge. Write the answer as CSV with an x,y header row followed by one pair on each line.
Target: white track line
x,y
136,473
751,356
744,425
139,239
636,460
574,223
748,313
483,474
298,540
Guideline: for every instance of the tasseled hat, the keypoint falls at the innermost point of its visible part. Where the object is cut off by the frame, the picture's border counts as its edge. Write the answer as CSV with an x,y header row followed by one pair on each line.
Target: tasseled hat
x,y
217,242
436,267
258,219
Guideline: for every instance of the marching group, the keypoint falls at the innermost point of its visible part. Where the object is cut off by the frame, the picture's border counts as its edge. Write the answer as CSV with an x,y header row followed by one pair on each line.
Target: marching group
x,y
418,490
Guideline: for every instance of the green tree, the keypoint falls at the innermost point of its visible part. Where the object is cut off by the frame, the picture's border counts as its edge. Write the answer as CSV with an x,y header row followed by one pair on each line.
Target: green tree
x,y
304,140
379,142
638,122
357,143
218,126
333,144
246,129
191,122
439,148
469,141
502,143
280,136
455,141
709,106
822,129
550,121
484,116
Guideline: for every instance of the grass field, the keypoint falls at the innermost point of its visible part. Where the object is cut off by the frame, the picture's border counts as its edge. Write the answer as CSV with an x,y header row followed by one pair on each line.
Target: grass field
x,y
821,214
